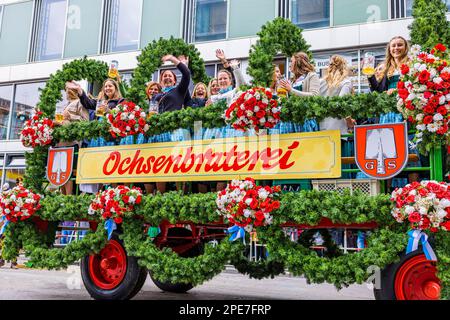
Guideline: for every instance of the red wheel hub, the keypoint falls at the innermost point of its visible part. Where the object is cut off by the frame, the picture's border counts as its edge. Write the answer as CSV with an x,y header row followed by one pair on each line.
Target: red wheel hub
x,y
416,280
108,268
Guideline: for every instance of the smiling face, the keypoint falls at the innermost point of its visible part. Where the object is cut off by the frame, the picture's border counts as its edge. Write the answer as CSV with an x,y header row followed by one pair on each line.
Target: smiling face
x,y
168,79
109,89
397,48
152,91
214,87
224,80
200,92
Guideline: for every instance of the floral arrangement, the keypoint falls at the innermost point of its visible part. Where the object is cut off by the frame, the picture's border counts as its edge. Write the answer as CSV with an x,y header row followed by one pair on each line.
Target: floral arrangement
x,y
247,205
37,131
19,204
425,205
255,109
424,93
114,202
127,119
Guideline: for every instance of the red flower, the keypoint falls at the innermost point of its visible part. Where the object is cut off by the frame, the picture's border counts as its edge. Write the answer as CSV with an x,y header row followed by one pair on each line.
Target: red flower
x,y
442,110
446,225
404,69
414,217
428,120
440,47
424,76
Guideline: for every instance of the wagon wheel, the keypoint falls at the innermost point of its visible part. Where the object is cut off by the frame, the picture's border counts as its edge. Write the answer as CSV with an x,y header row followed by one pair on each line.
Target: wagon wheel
x,y
112,274
413,278
192,252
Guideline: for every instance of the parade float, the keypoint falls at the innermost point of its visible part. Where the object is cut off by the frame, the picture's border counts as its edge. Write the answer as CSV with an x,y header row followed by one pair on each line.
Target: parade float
x,y
183,240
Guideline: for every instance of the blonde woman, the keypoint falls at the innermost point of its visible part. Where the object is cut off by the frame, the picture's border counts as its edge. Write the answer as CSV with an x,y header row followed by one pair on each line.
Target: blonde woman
x,y
213,87
199,95
336,83
388,75
73,112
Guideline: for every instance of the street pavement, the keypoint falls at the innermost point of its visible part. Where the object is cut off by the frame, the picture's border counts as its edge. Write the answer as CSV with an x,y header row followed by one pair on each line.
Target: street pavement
x,y
28,284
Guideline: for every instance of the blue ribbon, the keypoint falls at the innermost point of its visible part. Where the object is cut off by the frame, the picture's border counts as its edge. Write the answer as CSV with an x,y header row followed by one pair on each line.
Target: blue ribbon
x,y
3,218
413,244
110,226
236,233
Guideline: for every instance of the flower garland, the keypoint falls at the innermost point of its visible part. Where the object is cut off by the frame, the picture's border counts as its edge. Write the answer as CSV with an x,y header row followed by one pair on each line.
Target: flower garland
x,y
127,119
111,205
18,204
424,93
253,109
425,205
37,131
247,205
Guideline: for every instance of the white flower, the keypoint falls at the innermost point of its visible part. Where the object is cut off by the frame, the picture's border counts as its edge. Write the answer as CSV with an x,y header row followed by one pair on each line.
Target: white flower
x,y
131,199
444,203
437,80
423,210
263,194
262,120
248,201
421,127
409,209
442,100
131,116
247,213
419,117
142,114
438,117
128,128
256,108
432,127
441,214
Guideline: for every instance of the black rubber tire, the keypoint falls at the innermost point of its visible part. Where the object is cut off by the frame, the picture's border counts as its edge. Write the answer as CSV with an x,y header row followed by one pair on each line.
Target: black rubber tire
x,y
127,289
172,287
178,287
388,274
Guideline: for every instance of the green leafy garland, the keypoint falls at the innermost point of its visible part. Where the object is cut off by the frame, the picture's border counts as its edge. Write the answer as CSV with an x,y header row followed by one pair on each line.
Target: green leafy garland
x,y
149,61
80,69
277,36
305,207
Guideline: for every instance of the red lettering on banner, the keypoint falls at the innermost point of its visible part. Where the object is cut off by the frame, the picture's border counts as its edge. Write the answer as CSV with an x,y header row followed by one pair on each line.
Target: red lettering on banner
x,y
188,161
114,156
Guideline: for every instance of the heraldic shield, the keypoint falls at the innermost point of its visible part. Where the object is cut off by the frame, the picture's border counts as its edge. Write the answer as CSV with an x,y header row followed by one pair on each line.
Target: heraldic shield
x,y
59,165
381,150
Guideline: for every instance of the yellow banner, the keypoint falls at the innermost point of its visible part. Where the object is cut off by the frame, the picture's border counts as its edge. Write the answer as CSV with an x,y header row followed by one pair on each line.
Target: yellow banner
x,y
287,156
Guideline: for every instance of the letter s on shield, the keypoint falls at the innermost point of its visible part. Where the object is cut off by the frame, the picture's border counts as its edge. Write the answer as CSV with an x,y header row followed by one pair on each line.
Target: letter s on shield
x,y
59,165
381,150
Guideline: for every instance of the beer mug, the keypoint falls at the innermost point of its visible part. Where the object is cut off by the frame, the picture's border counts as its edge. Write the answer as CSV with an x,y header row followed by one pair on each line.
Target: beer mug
x,y
368,67
59,117
113,69
281,92
101,108
153,108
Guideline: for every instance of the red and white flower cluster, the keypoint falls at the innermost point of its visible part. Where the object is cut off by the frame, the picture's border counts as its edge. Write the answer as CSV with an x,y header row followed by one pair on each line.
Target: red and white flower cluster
x,y
424,91
127,119
247,205
19,204
37,131
114,202
253,109
426,205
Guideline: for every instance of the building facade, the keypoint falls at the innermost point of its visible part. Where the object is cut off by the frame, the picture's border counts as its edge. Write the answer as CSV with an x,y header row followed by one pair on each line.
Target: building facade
x,y
38,36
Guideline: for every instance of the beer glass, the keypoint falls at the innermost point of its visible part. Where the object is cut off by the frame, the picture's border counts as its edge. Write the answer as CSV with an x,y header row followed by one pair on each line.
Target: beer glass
x,y
59,117
153,108
368,67
101,108
113,69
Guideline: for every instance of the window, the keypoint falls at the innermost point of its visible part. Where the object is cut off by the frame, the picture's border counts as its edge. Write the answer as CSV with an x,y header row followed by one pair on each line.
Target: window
x,y
49,29
15,169
25,99
123,21
409,4
5,105
311,13
210,20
